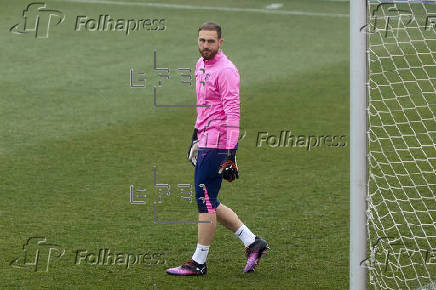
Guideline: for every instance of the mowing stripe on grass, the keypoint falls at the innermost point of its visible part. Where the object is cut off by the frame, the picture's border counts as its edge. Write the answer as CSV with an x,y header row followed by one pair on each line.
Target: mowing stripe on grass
x,y
212,8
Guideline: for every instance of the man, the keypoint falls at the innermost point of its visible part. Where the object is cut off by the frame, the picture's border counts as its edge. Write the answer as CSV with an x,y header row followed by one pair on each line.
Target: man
x,y
213,151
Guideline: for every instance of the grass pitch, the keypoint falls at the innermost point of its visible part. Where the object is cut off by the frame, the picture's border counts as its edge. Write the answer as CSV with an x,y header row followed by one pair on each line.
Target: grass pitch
x,y
75,136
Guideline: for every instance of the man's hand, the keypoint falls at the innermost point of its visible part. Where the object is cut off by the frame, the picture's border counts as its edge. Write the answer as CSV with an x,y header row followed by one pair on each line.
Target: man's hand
x,y
193,149
229,168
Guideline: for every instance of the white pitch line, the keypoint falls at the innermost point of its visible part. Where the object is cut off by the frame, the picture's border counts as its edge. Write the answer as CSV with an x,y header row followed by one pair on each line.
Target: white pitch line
x,y
274,6
212,8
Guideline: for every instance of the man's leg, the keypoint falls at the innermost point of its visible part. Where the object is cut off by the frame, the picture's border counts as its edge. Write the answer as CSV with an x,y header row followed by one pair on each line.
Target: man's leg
x,y
254,246
207,185
206,231
228,218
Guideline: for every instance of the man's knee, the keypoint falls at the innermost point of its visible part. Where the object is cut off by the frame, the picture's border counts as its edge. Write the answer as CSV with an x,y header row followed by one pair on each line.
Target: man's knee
x,y
225,211
207,205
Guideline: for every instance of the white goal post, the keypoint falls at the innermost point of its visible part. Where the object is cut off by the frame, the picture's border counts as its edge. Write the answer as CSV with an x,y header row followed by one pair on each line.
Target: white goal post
x,y
393,144
358,97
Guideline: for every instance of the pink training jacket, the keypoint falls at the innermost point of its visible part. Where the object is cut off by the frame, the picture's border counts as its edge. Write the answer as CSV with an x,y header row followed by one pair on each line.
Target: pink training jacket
x,y
217,85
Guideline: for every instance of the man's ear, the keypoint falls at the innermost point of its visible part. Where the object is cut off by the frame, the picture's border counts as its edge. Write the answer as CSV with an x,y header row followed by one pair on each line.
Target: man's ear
x,y
221,42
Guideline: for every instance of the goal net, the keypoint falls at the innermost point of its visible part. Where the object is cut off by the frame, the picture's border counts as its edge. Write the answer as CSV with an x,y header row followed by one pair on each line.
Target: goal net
x,y
401,137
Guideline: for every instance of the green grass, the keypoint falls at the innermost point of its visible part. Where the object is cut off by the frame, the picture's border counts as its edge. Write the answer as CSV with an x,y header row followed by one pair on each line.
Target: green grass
x,y
74,136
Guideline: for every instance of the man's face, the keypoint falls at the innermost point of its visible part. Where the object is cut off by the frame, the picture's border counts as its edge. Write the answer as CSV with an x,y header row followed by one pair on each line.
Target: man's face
x,y
208,43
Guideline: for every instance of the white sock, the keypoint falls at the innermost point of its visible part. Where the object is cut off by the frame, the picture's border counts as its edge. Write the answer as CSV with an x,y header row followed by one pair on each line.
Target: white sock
x,y
200,254
245,235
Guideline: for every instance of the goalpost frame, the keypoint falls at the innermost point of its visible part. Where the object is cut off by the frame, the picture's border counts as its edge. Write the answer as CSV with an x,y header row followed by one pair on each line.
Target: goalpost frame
x,y
358,143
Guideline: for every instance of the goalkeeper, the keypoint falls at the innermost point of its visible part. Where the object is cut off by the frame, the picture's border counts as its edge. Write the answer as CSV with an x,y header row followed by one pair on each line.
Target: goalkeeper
x,y
213,151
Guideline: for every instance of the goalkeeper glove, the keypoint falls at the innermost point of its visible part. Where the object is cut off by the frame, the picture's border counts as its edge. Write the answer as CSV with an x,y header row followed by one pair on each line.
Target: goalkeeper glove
x,y
229,168
193,149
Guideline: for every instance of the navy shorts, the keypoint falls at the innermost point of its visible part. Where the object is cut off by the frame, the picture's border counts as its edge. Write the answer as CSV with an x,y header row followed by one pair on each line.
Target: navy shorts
x,y
206,178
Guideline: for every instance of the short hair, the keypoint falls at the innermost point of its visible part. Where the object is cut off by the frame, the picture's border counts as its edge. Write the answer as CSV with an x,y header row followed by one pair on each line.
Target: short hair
x,y
211,26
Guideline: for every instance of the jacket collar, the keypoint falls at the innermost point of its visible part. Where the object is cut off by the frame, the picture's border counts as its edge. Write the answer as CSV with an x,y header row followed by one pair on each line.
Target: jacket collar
x,y
216,58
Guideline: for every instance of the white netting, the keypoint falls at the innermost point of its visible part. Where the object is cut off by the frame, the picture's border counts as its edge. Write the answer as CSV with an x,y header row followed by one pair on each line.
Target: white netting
x,y
401,212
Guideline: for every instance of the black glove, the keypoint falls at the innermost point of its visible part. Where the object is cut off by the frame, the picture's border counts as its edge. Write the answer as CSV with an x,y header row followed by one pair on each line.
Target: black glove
x,y
193,149
229,168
